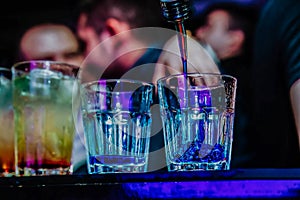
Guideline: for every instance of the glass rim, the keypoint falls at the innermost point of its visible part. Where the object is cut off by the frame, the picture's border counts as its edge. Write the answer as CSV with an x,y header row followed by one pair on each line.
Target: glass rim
x,y
17,64
25,67
130,81
6,72
5,69
194,74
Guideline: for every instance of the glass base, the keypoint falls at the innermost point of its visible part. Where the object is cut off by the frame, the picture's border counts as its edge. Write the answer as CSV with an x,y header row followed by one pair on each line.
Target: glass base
x,y
99,169
117,164
7,174
44,172
198,166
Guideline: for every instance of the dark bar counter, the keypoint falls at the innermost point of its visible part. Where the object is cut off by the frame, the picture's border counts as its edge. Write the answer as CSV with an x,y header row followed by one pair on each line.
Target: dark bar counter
x,y
232,184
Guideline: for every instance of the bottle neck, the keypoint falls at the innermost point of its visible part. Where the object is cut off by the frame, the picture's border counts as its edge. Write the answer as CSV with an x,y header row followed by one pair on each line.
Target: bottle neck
x,y
176,10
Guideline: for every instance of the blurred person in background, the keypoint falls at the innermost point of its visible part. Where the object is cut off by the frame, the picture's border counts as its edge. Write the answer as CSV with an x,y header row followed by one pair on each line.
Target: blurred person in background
x,y
105,27
99,21
276,86
17,16
50,41
226,30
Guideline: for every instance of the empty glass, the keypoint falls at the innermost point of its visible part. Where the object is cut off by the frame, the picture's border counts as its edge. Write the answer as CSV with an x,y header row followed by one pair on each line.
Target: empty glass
x,y
116,121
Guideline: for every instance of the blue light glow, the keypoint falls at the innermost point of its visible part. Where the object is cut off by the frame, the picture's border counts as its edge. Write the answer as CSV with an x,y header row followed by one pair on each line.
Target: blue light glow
x,y
214,189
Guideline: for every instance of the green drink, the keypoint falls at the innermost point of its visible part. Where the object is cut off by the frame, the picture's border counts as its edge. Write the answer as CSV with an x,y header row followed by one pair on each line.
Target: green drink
x,y
44,125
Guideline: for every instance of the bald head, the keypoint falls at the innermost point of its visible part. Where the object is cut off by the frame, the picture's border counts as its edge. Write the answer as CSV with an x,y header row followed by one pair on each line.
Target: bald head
x,y
50,42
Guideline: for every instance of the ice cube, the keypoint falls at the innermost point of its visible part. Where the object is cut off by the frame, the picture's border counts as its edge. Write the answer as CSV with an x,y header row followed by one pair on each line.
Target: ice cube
x,y
5,91
42,81
192,153
5,82
42,77
216,154
67,87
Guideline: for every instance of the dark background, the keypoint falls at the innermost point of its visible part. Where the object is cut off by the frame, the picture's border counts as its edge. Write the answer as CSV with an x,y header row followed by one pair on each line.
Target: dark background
x,y
17,15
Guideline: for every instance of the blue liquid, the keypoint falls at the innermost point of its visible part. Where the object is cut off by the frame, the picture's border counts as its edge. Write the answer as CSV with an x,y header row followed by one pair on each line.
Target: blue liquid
x,y
198,135
117,141
193,154
116,160
117,164
182,42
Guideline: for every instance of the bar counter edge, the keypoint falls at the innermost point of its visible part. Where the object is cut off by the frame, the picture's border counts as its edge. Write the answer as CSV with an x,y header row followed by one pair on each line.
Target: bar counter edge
x,y
231,184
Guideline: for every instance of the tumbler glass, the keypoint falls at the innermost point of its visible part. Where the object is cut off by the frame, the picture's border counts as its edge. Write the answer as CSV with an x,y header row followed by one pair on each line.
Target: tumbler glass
x,y
7,164
117,120
197,112
44,124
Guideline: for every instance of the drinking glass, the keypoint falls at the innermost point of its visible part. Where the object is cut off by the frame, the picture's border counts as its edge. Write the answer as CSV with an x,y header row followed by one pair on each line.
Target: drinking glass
x,y
197,112
117,120
44,125
7,166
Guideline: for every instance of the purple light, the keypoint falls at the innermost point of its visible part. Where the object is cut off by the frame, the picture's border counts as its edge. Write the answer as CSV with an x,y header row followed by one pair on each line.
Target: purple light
x,y
214,189
199,6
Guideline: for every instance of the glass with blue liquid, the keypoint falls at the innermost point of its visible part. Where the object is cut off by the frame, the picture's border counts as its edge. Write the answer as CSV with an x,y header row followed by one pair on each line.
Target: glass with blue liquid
x,y
197,112
117,120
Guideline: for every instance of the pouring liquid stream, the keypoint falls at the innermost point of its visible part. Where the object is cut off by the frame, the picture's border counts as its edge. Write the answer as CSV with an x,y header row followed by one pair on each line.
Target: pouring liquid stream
x,y
182,43
177,11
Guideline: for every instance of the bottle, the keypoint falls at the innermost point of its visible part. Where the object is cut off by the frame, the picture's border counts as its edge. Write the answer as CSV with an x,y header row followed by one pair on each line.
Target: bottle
x,y
175,10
